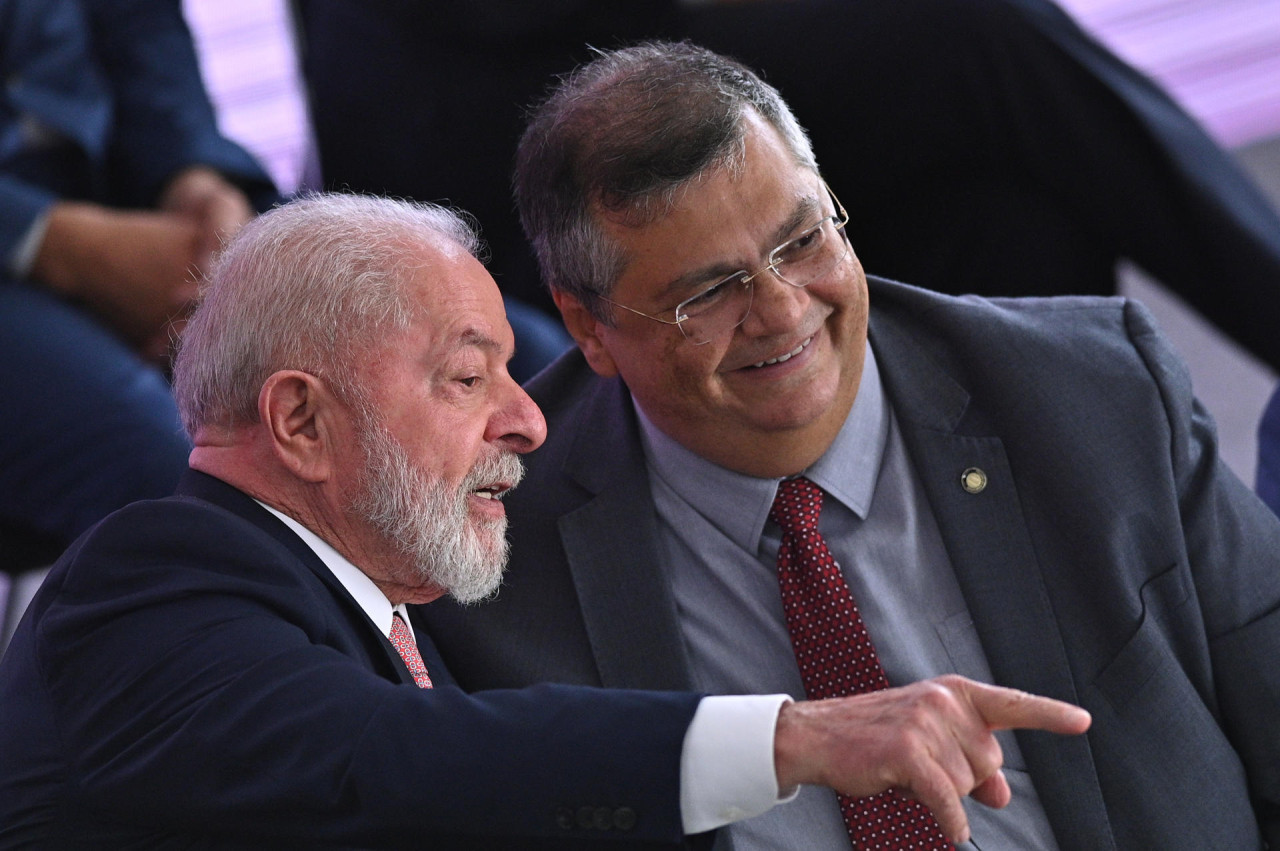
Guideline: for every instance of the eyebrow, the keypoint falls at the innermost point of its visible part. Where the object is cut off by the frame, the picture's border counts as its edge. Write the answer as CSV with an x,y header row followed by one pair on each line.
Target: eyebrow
x,y
474,338
800,214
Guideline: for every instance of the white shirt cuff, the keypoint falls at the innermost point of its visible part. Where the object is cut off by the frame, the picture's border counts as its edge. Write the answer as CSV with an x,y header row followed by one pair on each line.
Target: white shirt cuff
x,y
24,253
726,766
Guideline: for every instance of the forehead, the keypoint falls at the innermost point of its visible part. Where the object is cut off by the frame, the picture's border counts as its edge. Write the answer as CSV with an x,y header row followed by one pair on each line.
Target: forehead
x,y
723,220
454,301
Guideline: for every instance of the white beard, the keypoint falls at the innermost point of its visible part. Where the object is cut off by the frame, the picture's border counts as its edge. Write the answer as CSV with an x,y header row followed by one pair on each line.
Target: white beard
x,y
429,521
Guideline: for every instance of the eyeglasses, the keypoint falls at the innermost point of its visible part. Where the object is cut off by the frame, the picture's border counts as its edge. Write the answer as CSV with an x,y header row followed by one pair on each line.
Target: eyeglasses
x,y
724,305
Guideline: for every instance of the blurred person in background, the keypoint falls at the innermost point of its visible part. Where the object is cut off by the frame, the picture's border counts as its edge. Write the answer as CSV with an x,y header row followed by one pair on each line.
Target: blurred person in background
x,y
115,189
993,146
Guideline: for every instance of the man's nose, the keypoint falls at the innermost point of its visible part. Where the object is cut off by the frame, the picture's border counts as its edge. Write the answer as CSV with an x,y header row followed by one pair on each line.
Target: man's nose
x,y
519,422
776,305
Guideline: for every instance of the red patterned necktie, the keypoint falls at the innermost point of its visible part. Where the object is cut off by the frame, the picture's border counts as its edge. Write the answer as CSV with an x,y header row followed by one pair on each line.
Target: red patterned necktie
x,y
837,658
408,650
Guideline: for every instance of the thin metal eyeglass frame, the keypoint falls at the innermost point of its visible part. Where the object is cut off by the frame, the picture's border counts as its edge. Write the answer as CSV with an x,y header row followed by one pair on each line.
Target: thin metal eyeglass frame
x,y
841,218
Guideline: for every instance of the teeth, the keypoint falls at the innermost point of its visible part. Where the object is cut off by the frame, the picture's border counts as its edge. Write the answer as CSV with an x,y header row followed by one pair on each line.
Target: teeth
x,y
486,494
783,358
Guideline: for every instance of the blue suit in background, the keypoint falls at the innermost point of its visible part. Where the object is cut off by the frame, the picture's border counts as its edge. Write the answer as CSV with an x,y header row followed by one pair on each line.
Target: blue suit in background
x,y
102,102
1269,454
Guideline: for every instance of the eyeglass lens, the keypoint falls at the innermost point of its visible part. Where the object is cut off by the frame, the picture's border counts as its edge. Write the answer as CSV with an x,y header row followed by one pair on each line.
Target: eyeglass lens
x,y
799,262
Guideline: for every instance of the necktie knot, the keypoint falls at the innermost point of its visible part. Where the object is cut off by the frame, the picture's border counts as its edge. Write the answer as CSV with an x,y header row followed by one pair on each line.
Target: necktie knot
x,y
797,506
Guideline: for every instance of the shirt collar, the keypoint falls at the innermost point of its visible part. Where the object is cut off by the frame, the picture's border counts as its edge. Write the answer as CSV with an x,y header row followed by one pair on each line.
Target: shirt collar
x,y
738,505
366,594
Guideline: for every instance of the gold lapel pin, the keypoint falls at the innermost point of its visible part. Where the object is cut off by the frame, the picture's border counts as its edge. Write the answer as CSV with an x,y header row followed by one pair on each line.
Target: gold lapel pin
x,y
973,480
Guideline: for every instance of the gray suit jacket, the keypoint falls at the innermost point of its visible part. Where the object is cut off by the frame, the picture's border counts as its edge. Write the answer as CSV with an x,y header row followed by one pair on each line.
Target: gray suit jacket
x,y
1112,560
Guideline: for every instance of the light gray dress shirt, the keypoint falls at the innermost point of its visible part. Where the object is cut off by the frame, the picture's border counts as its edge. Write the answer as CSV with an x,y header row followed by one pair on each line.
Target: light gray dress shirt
x,y
720,554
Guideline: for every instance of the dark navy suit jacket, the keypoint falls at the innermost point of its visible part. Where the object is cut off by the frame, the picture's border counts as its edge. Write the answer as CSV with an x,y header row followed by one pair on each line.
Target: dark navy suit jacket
x,y
192,676
1112,560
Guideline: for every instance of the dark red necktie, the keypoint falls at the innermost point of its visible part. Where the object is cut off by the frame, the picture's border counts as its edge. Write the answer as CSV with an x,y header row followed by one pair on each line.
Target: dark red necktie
x,y
837,658
403,641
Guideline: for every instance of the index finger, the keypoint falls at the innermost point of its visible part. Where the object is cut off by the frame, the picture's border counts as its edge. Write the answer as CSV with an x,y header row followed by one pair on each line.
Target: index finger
x,y
1008,709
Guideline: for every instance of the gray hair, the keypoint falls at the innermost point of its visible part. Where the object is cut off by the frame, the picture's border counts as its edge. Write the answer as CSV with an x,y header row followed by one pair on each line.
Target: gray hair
x,y
309,285
624,134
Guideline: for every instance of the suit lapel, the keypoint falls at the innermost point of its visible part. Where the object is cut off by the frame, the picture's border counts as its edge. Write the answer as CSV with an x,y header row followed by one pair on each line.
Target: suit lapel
x,y
382,654
628,610
991,551
436,668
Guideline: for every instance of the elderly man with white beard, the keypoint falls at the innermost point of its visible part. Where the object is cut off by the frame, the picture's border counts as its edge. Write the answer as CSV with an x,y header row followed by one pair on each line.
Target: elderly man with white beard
x,y
239,667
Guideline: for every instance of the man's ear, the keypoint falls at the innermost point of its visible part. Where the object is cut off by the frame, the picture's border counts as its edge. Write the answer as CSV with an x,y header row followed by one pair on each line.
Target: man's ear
x,y
585,329
299,413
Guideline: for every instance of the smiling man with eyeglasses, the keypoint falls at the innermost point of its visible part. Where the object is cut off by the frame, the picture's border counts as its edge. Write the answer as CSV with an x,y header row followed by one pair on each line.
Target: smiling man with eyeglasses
x,y
769,472
724,305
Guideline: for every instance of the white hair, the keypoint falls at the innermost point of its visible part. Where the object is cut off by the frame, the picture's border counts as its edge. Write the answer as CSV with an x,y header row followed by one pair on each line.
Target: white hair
x,y
307,286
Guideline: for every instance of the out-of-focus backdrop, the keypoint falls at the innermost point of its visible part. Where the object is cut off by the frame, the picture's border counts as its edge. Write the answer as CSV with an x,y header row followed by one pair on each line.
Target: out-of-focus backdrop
x,y
1219,58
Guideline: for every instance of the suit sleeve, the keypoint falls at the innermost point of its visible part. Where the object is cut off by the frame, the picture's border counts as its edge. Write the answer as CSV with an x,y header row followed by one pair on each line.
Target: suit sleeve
x,y
121,73
1233,544
21,206
204,684
164,120
46,42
